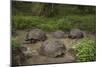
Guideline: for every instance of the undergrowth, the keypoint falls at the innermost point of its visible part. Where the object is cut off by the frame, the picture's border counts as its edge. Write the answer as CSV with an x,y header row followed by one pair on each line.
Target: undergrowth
x,y
51,24
85,50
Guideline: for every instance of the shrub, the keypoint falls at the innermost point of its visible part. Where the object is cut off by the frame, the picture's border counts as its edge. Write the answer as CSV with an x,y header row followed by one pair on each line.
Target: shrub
x,y
86,50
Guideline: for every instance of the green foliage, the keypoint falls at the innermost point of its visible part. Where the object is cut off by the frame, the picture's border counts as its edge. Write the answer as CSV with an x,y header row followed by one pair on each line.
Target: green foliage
x,y
51,17
51,24
86,50
15,44
25,22
21,8
49,9
48,26
87,22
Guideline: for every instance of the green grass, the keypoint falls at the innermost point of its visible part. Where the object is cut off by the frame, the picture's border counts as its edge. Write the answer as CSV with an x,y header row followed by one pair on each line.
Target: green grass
x,y
85,50
51,24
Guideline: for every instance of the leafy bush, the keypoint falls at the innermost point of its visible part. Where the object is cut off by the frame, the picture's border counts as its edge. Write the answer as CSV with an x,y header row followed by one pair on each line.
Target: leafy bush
x,y
86,50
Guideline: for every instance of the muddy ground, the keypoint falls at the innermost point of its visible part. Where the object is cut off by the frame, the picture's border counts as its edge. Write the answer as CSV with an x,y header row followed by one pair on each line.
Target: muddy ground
x,y
39,59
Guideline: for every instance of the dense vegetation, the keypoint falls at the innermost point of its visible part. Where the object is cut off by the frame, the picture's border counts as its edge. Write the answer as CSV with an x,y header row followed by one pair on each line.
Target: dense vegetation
x,y
51,24
86,50
50,17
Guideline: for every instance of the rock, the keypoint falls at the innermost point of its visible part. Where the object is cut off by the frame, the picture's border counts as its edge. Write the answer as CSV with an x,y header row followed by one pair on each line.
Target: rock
x,y
72,51
59,34
35,35
18,57
52,48
26,49
76,33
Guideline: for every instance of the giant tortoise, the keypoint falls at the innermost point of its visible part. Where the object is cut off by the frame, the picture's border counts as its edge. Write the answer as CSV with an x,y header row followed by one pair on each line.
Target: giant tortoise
x,y
35,35
59,34
76,33
52,48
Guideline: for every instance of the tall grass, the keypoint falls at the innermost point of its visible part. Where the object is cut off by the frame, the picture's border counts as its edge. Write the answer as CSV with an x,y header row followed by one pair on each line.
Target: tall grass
x,y
51,24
